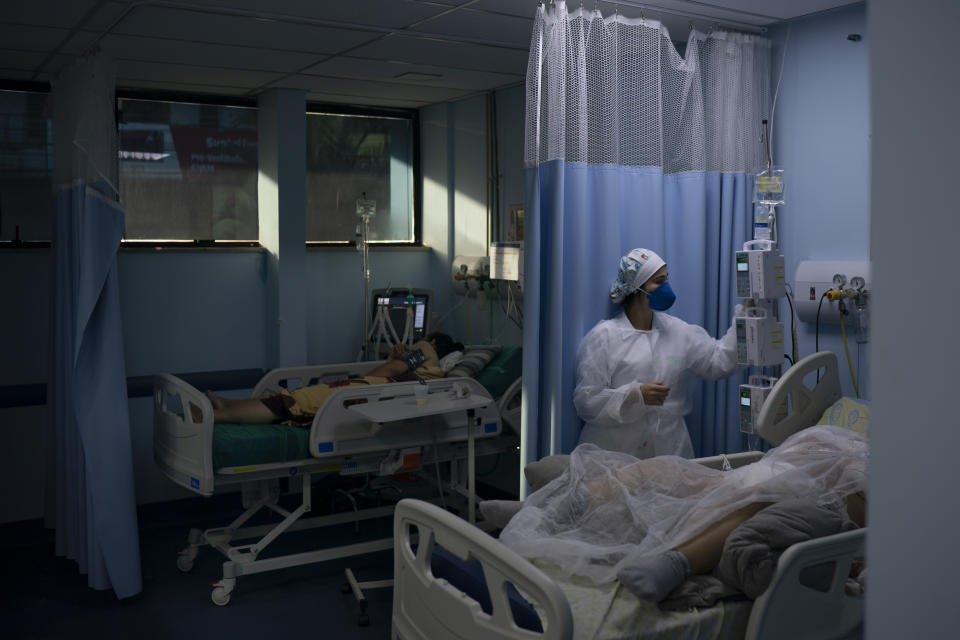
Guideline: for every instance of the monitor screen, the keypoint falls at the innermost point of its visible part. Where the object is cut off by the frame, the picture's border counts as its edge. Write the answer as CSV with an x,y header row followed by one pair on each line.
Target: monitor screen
x,y
396,304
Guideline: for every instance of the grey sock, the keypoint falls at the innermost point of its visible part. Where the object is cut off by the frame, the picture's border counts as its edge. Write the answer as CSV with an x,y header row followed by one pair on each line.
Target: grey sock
x,y
654,578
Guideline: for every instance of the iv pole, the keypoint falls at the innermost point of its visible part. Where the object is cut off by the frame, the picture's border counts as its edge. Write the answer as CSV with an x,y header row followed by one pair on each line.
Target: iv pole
x,y
365,209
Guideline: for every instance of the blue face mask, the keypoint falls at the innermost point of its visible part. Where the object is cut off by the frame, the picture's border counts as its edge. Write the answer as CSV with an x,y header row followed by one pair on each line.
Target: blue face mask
x,y
662,298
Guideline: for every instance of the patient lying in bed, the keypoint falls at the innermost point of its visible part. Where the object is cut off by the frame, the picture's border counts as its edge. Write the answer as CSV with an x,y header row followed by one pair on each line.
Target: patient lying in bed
x,y
418,362
653,523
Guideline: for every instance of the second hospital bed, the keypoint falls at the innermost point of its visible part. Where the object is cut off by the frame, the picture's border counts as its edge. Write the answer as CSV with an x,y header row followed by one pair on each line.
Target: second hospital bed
x,y
455,581
374,430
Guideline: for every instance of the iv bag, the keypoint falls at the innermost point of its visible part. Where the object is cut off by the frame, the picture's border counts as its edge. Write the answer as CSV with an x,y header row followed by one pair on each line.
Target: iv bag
x,y
768,187
366,207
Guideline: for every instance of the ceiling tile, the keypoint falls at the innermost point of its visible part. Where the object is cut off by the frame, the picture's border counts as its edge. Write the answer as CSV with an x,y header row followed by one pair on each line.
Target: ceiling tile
x,y
394,14
454,54
31,38
524,8
241,31
212,55
27,60
389,71
190,74
47,13
484,26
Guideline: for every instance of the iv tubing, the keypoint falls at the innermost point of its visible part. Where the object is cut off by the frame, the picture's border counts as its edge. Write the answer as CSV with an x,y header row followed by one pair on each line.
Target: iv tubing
x,y
843,331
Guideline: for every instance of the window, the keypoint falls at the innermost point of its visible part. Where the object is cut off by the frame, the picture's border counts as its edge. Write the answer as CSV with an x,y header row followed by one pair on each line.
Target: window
x,y
26,168
188,171
354,156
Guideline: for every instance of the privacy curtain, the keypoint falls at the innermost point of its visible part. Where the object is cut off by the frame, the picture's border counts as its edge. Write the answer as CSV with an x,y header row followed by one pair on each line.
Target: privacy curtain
x,y
90,498
629,144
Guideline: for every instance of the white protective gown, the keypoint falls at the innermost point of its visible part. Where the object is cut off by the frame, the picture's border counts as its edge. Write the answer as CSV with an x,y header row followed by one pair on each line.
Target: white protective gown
x,y
614,358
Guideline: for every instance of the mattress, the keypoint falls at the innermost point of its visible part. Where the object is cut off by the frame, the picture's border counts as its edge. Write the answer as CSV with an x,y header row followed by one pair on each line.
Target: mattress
x,y
250,444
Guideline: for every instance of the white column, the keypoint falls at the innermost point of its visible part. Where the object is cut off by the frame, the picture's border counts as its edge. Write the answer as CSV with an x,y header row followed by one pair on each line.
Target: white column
x,y
281,193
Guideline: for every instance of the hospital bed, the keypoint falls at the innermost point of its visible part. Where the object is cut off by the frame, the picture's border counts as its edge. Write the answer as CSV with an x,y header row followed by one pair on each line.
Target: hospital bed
x,y
455,581
372,430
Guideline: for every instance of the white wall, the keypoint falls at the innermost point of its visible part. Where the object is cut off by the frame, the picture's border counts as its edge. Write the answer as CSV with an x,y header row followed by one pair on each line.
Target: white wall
x,y
914,512
821,140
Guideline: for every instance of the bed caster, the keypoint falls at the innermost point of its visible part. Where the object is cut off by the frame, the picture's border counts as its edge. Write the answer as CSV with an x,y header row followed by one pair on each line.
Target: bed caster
x,y
363,620
185,563
220,596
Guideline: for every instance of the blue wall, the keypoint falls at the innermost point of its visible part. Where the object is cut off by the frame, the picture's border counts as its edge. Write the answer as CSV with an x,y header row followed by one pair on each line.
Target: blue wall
x,y
204,310
821,140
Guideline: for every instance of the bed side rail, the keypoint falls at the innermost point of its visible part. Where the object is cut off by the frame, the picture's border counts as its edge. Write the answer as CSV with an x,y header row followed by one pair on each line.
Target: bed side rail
x,y
291,378
426,607
338,430
183,446
805,405
789,609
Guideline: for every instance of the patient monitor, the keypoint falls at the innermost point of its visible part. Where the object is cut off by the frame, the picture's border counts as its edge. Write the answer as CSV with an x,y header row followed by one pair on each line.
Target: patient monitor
x,y
401,305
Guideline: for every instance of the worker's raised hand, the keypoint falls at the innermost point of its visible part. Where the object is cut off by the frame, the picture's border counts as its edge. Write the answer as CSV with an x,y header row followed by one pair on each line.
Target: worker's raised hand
x,y
654,393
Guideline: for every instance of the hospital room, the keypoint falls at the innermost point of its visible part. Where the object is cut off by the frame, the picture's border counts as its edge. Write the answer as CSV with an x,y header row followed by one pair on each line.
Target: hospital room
x,y
432,319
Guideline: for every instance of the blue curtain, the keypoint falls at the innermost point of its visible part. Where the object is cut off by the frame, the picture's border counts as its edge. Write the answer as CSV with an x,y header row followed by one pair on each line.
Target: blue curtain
x,y
581,219
92,468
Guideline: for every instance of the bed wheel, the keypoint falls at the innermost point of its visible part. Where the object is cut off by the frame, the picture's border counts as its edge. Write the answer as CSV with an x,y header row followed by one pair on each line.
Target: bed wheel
x,y
220,596
185,563
363,620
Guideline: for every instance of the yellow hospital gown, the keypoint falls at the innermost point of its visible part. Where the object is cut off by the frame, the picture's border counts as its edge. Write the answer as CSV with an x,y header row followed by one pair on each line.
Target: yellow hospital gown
x,y
308,400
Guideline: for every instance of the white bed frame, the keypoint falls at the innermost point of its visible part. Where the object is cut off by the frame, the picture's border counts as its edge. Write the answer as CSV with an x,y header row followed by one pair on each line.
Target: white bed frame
x,y
358,430
426,607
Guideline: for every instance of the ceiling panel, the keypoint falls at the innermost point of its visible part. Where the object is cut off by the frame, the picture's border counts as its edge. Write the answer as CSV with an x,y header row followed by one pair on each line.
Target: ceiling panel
x,y
454,54
49,13
24,60
241,31
30,38
522,8
394,14
190,74
213,55
369,89
485,26
405,72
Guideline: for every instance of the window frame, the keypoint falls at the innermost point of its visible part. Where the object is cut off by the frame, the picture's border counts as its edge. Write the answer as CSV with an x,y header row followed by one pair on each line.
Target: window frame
x,y
183,98
410,114
238,101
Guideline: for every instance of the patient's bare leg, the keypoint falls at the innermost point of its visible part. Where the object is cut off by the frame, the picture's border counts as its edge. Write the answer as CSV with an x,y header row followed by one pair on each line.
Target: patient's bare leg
x,y
655,577
704,549
245,411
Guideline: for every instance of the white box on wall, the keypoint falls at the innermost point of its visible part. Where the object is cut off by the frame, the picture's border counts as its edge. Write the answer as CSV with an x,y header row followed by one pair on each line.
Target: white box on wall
x,y
814,277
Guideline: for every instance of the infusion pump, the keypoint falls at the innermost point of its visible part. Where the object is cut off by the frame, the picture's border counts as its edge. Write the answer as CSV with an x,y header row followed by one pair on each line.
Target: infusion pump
x,y
760,271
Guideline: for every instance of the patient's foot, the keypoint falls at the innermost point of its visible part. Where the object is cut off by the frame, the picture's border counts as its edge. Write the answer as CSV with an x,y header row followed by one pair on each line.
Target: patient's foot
x,y
218,402
654,578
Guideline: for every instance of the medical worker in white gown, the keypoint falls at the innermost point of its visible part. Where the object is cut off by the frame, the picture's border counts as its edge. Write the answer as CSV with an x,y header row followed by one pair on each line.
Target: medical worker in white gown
x,y
633,370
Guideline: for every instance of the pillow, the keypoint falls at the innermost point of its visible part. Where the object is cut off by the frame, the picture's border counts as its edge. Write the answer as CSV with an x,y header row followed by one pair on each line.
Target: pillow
x,y
542,471
450,360
848,413
473,362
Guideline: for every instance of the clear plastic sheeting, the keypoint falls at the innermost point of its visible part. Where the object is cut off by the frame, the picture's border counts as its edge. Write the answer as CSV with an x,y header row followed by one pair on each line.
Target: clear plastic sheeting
x,y
610,509
614,90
